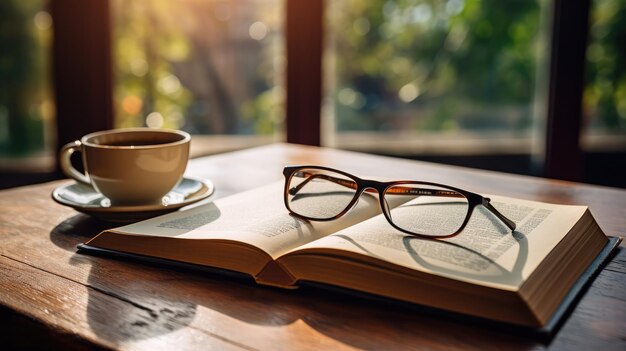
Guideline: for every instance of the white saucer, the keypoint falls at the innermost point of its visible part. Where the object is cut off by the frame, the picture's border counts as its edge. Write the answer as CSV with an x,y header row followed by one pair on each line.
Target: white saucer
x,y
83,198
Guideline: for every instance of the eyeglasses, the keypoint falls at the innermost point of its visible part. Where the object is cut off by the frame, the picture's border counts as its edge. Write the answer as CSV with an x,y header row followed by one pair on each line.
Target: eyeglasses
x,y
419,208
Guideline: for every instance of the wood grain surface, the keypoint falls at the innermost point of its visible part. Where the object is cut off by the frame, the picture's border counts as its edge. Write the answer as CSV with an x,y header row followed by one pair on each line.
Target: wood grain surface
x,y
53,297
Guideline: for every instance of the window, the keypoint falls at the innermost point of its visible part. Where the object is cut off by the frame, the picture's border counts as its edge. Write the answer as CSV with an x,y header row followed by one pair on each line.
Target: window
x,y
420,76
207,67
464,79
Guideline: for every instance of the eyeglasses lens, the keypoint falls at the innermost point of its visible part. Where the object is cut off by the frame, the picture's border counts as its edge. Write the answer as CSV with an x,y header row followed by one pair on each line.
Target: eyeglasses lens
x,y
432,210
319,194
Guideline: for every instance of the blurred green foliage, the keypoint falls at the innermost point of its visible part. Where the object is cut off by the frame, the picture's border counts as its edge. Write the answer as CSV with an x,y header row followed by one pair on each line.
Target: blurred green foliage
x,y
424,65
194,65
148,41
463,64
25,101
605,91
434,65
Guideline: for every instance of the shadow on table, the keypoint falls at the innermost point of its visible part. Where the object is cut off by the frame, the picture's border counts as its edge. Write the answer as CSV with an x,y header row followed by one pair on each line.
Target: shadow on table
x,y
125,301
77,229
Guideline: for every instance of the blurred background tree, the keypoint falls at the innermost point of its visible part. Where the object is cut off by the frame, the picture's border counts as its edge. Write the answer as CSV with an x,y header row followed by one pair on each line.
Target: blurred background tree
x,y
25,98
434,65
605,92
203,66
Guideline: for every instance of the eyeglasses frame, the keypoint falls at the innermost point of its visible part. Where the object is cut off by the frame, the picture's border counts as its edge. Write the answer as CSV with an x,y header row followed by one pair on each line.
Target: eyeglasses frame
x,y
363,185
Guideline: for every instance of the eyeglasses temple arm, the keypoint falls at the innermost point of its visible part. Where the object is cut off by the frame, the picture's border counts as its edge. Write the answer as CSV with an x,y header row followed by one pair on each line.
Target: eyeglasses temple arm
x,y
509,223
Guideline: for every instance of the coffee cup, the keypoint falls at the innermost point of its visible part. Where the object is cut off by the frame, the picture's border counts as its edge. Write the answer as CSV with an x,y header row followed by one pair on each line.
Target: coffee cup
x,y
132,166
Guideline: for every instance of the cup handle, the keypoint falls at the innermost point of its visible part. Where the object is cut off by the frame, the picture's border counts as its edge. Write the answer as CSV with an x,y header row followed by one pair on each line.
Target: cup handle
x,y
66,164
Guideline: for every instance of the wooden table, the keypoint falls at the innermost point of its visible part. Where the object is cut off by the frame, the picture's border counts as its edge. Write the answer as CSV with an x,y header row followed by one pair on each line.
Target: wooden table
x,y
50,296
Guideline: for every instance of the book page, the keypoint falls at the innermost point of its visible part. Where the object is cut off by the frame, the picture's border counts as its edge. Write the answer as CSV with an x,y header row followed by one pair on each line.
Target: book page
x,y
486,252
257,217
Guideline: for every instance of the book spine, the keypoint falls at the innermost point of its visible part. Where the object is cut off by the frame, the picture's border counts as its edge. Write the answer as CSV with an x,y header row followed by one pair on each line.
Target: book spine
x,y
274,274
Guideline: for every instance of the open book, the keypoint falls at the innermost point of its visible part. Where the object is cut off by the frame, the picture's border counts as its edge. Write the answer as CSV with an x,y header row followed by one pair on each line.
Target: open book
x,y
486,271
